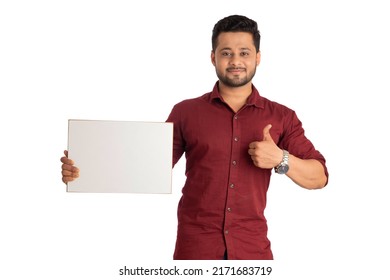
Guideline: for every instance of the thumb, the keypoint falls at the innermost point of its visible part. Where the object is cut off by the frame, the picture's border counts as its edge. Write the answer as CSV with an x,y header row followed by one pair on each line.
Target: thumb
x,y
266,135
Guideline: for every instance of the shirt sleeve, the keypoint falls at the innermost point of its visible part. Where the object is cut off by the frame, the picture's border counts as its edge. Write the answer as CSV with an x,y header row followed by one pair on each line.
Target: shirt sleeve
x,y
178,140
295,141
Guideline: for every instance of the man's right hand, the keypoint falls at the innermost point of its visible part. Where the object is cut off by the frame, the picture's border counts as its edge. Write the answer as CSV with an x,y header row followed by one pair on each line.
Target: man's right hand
x,y
69,171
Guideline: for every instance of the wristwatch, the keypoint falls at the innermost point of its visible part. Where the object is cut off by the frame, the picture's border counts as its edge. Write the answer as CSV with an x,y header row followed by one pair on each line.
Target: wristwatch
x,y
282,167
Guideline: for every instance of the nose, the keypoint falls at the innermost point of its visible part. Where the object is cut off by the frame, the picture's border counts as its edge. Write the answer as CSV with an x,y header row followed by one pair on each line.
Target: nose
x,y
235,60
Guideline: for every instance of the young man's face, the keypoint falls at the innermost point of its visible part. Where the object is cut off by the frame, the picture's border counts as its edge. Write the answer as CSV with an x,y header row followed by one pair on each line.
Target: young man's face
x,y
235,58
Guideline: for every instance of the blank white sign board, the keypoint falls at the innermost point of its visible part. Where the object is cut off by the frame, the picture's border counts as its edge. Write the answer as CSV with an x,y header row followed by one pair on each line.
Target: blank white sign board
x,y
121,156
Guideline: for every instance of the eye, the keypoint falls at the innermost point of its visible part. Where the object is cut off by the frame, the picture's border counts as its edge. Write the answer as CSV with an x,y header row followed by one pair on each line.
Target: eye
x,y
226,54
244,53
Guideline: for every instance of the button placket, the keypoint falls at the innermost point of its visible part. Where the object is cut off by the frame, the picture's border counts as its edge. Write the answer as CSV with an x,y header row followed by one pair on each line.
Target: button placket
x,y
233,176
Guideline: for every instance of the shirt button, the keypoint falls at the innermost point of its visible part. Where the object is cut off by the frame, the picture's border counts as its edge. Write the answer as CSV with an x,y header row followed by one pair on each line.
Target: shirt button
x,y
235,117
234,162
229,209
231,186
236,139
226,231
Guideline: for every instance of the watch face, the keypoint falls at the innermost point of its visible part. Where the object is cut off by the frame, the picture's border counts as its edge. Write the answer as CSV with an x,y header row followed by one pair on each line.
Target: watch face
x,y
282,169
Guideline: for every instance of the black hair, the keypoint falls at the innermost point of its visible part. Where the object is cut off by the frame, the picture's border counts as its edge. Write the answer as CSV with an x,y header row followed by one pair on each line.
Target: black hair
x,y
236,23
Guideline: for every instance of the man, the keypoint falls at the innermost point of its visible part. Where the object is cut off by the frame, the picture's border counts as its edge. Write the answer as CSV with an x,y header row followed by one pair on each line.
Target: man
x,y
233,138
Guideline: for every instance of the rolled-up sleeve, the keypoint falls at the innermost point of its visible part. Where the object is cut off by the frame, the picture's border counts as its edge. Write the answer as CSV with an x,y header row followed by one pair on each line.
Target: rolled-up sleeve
x,y
178,141
295,141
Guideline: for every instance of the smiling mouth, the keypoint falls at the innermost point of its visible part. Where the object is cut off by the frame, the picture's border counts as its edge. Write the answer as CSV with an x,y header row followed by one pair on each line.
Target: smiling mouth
x,y
235,70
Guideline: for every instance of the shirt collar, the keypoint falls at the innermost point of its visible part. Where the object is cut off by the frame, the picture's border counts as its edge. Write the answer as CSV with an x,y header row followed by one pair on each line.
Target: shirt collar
x,y
253,100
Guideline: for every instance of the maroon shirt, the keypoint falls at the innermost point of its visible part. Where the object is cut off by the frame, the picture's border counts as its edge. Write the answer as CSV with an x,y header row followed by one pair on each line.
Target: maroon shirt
x,y
224,196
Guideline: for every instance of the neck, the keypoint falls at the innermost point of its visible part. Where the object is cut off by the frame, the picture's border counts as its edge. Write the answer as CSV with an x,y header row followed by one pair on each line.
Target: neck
x,y
235,97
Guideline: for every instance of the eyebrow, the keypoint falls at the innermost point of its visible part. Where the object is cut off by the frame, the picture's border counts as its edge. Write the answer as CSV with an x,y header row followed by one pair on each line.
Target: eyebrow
x,y
241,49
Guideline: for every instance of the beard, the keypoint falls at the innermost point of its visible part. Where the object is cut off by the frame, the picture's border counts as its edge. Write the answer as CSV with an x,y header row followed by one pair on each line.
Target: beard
x,y
236,81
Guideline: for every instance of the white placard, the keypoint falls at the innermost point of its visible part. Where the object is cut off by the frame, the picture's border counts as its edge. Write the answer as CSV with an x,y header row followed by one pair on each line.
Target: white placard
x,y
121,156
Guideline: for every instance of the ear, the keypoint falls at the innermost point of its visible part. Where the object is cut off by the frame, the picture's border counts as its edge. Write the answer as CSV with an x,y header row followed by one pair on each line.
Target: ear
x,y
213,57
258,58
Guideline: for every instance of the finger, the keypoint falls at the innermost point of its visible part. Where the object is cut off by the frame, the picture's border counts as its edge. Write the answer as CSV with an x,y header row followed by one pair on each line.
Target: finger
x,y
66,160
66,153
255,161
68,176
266,134
67,173
70,168
251,152
253,145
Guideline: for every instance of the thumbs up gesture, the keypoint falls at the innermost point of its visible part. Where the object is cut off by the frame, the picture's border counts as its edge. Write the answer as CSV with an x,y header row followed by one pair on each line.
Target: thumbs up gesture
x,y
265,154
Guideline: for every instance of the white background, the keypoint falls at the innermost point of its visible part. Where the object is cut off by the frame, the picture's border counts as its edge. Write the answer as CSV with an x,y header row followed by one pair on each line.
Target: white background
x,y
128,60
